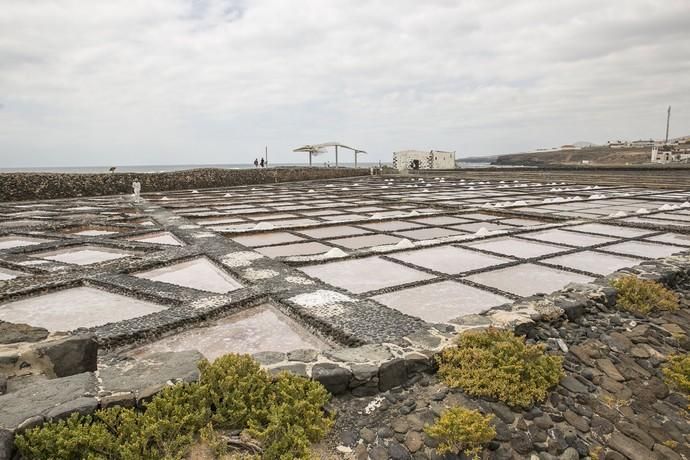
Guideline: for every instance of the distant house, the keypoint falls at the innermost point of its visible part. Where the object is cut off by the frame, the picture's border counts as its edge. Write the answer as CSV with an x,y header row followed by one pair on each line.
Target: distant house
x,y
423,159
678,151
643,143
617,144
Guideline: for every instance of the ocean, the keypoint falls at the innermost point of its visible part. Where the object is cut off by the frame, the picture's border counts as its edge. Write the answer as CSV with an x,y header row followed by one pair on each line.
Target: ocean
x,y
165,168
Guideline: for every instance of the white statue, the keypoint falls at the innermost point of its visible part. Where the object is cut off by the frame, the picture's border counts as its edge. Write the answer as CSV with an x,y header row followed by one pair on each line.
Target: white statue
x,y
136,186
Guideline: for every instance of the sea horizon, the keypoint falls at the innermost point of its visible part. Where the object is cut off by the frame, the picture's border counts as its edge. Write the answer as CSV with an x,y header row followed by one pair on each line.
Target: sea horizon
x,y
168,168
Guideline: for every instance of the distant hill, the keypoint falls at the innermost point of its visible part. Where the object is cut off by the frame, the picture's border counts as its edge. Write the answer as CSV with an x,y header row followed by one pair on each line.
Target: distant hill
x,y
486,159
597,155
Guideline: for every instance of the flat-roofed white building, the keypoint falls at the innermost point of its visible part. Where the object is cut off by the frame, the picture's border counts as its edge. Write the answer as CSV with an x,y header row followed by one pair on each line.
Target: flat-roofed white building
x,y
423,159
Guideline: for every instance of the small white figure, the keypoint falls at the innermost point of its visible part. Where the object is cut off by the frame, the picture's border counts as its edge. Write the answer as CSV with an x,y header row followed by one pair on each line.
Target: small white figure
x,y
136,186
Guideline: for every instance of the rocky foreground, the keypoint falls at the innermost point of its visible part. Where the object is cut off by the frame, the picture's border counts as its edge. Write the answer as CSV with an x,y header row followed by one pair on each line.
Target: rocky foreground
x,y
612,404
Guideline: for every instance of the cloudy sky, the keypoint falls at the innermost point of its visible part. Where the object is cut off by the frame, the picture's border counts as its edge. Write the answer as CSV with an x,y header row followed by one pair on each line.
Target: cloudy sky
x,y
101,82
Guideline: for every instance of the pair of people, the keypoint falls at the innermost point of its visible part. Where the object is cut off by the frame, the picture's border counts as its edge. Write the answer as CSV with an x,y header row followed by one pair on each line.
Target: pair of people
x,y
262,163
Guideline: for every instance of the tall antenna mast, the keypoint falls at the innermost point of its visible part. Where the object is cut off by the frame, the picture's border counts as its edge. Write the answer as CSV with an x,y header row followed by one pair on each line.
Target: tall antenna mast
x,y
668,120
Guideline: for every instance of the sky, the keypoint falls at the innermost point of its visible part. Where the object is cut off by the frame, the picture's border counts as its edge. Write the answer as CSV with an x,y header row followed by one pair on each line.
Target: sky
x,y
143,82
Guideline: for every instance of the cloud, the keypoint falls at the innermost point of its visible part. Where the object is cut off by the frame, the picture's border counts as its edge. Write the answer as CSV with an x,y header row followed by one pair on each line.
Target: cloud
x,y
213,81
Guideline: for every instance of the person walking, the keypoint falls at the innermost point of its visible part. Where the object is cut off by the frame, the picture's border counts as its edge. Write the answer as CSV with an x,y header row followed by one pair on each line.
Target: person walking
x,y
256,162
262,162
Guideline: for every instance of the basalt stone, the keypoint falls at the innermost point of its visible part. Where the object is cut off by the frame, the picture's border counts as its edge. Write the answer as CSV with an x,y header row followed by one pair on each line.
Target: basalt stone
x,y
124,399
633,431
398,452
521,442
363,354
6,444
150,370
367,389
16,333
417,362
570,454
303,355
295,369
580,423
82,406
503,412
8,358
335,378
364,372
378,453
3,385
630,448
71,355
571,383
269,357
392,374
413,441
368,435
42,397
666,452
601,426
385,432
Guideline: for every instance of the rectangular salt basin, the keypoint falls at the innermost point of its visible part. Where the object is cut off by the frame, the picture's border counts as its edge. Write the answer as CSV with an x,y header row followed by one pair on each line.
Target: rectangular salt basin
x,y
644,249
200,274
74,308
94,232
9,242
363,275
298,249
391,226
6,274
611,230
449,259
83,255
334,231
517,248
265,239
441,220
570,238
428,233
672,238
365,241
528,279
251,331
441,302
593,262
166,238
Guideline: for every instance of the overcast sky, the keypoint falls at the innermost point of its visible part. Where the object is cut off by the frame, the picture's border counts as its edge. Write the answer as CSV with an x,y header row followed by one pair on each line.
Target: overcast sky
x,y
101,82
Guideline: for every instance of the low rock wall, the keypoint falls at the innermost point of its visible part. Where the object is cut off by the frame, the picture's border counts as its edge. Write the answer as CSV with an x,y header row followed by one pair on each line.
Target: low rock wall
x,y
39,186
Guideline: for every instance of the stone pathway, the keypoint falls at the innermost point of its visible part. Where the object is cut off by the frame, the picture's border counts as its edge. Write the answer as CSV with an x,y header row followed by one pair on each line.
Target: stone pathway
x,y
611,405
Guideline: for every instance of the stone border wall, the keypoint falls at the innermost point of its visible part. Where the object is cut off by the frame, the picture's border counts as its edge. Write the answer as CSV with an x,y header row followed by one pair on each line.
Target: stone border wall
x,y
41,186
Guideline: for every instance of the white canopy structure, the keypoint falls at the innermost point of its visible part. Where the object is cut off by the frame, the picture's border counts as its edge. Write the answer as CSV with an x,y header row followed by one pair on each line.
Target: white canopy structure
x,y
318,149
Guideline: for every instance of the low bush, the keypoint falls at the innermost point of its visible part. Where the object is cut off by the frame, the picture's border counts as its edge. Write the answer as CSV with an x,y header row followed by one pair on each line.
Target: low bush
x,y
677,372
462,430
284,414
498,364
643,296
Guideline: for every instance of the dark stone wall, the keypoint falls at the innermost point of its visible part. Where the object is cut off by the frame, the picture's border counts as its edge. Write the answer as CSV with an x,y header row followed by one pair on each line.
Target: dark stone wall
x,y
41,186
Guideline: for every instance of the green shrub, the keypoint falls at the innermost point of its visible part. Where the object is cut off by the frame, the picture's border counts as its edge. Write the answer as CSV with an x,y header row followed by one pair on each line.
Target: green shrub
x,y
499,364
461,429
237,388
285,414
677,372
643,296
75,438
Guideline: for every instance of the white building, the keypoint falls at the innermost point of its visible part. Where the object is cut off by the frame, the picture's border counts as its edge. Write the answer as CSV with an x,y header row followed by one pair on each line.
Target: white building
x,y
423,159
678,152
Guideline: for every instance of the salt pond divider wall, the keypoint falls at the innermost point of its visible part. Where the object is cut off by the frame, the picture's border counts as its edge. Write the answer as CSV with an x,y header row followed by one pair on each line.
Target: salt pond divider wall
x,y
41,186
